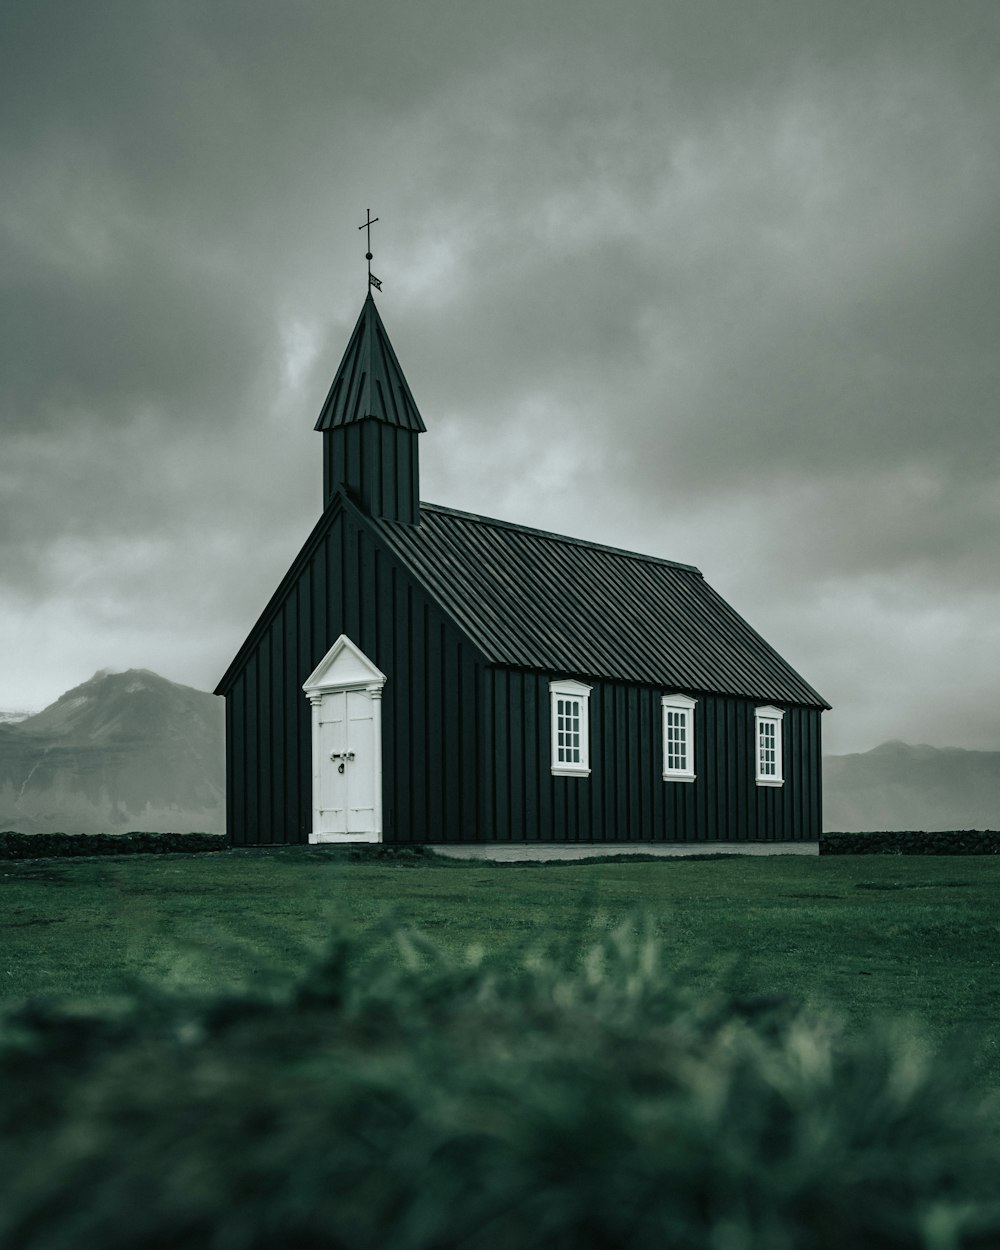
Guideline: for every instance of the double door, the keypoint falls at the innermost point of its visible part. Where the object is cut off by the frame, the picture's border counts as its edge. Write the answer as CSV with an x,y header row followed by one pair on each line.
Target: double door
x,y
346,765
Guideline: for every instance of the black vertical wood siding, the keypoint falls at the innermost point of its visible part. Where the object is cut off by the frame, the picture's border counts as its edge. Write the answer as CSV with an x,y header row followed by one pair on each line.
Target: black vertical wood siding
x,y
466,746
431,713
625,798
379,466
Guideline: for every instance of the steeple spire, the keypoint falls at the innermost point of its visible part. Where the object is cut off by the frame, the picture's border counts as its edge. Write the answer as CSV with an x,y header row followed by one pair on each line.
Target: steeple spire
x,y
370,423
370,381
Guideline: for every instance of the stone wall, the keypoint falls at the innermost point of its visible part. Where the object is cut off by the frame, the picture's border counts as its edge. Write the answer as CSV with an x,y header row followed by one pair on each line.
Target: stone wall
x,y
955,842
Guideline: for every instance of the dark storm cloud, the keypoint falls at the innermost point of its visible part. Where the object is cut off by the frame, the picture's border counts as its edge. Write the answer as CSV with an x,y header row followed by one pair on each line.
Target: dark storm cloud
x,y
711,279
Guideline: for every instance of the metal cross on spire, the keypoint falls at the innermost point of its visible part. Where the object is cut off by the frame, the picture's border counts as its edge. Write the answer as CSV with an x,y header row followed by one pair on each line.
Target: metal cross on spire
x,y
367,225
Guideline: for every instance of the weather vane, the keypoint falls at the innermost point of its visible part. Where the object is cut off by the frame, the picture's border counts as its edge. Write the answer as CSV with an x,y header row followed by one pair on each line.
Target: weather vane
x,y
367,225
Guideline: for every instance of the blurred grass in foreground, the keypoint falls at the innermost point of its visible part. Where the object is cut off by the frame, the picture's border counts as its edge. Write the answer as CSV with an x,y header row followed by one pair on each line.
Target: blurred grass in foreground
x,y
395,1097
867,936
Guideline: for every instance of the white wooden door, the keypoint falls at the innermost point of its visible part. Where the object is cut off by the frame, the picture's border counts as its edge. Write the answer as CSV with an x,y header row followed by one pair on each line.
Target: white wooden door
x,y
347,763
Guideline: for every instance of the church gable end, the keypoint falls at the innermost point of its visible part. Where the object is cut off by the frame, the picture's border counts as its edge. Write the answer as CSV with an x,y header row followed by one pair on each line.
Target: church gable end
x,y
346,582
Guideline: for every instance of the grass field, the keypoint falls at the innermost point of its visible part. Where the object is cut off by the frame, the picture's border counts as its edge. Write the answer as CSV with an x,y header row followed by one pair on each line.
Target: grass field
x,y
869,936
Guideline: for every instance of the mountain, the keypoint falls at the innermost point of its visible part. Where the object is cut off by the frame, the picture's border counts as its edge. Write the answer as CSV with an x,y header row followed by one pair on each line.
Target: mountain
x,y
898,786
12,717
122,751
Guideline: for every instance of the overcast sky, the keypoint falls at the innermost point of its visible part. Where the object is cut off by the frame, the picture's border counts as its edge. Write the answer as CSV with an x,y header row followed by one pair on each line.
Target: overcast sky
x,y
713,279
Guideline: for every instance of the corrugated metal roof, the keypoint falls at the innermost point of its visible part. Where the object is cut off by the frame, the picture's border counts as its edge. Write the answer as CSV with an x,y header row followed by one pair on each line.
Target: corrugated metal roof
x,y
369,381
536,600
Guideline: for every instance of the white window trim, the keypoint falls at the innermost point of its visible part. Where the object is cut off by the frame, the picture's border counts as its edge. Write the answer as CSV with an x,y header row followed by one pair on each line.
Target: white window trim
x,y
761,716
679,703
567,688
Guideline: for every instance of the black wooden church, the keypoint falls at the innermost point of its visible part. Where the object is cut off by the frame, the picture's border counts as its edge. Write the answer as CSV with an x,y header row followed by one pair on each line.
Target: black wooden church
x,y
426,675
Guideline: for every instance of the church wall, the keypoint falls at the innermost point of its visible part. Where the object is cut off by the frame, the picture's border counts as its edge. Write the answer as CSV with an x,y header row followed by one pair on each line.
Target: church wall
x,y
625,797
430,706
466,747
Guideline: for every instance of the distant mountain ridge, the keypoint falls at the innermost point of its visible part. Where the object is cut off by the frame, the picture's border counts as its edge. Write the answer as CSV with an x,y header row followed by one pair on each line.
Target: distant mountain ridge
x,y
122,751
899,786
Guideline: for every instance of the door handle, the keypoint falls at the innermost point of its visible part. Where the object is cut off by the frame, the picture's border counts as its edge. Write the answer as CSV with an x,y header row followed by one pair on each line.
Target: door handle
x,y
342,755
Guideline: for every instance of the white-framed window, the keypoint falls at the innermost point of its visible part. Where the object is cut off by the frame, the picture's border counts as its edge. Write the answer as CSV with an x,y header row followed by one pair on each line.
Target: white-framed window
x,y
678,737
570,728
767,736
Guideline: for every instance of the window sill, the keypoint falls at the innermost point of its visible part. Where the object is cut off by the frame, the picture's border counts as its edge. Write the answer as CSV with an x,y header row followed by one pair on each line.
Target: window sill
x,y
561,770
770,781
678,776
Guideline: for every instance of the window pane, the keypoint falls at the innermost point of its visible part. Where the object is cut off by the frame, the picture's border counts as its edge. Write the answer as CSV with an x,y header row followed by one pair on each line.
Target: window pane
x,y
677,735
569,733
767,747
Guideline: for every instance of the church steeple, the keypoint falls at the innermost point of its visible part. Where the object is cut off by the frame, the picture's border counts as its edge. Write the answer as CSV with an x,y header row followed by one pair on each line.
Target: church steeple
x,y
370,423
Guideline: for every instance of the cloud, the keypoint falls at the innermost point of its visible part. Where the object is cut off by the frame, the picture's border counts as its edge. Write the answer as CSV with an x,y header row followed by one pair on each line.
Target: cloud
x,y
716,281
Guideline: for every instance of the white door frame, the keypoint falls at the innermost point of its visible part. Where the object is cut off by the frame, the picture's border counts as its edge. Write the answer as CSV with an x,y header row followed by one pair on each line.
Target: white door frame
x,y
345,667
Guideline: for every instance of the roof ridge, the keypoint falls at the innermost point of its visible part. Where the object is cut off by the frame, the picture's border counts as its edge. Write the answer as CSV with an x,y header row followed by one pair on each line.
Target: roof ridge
x,y
560,538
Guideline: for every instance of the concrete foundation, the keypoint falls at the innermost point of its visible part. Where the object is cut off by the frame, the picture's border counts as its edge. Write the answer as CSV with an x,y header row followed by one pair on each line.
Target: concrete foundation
x,y
541,852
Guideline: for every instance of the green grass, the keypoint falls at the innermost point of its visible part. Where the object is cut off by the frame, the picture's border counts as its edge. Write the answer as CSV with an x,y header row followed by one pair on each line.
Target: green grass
x,y
246,1049
868,936
406,1098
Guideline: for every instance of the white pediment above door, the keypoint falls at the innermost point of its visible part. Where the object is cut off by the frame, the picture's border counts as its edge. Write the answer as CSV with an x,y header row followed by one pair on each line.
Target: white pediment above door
x,y
344,665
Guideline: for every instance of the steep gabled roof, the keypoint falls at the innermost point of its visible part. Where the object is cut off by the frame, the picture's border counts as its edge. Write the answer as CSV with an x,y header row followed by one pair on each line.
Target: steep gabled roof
x,y
369,381
536,600
530,599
